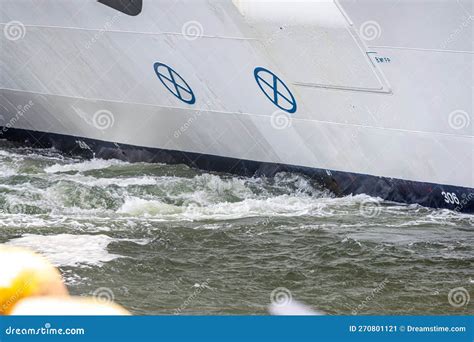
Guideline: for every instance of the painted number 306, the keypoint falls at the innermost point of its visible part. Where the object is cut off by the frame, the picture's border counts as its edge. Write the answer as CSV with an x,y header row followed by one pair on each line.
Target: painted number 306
x,y
450,197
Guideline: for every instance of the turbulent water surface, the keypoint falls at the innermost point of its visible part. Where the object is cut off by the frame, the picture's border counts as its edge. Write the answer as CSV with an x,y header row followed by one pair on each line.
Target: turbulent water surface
x,y
163,239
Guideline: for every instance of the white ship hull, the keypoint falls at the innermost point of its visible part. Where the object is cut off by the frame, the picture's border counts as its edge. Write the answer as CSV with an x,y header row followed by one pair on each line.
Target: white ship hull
x,y
371,98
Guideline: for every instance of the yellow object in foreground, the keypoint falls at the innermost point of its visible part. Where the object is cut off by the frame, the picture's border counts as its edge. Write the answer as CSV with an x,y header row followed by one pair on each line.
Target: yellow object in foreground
x,y
26,274
72,306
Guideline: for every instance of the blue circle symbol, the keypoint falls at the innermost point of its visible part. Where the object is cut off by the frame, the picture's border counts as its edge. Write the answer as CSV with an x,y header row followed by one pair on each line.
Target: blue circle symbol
x,y
175,83
275,90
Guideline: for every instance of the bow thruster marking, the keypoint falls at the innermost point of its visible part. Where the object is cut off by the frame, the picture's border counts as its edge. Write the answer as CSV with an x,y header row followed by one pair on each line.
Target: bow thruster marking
x,y
275,90
175,84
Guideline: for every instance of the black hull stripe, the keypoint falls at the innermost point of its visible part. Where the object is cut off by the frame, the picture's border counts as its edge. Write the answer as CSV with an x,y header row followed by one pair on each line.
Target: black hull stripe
x,y
340,183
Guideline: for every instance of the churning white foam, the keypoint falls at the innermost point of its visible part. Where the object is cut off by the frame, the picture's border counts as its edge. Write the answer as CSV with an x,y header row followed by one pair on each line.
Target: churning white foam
x,y
105,182
69,250
139,207
7,166
88,165
283,206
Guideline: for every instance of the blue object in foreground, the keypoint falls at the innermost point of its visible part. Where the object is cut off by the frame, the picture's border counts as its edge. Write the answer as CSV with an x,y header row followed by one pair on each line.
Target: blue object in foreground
x,y
292,329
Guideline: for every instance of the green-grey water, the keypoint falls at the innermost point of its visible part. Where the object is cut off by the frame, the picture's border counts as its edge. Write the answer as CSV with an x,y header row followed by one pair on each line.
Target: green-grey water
x,y
163,239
